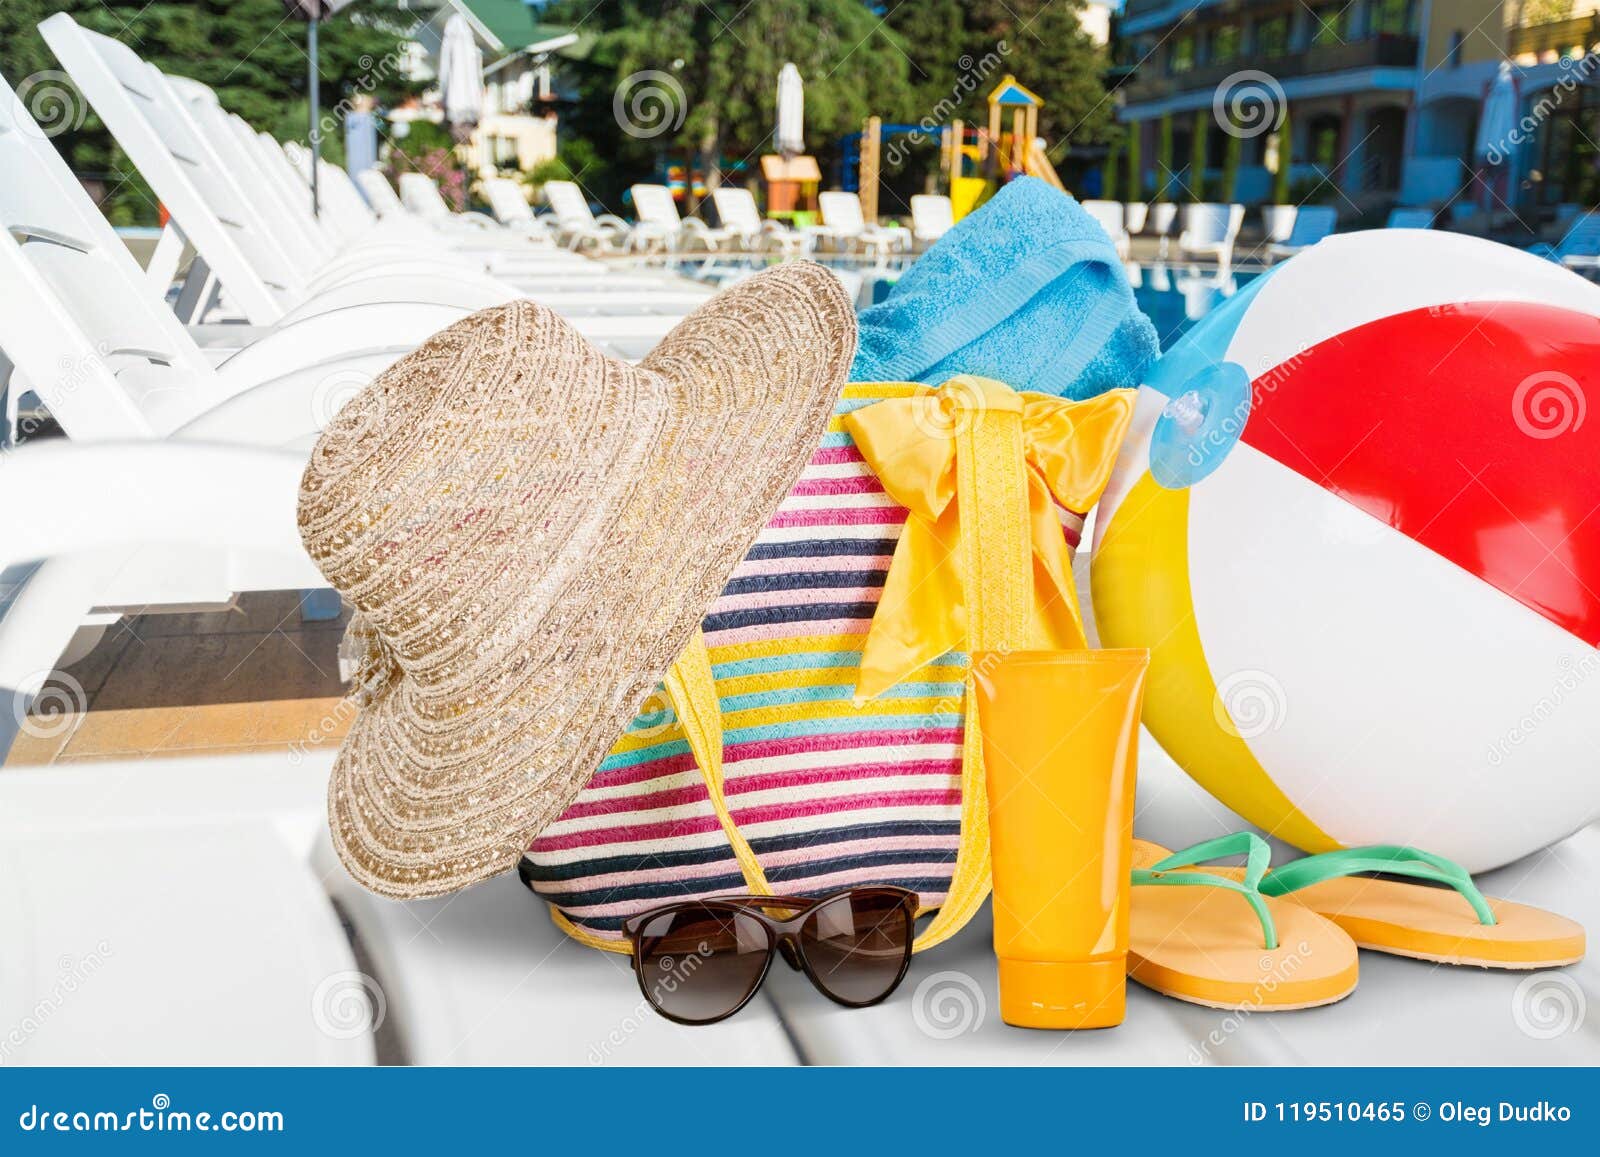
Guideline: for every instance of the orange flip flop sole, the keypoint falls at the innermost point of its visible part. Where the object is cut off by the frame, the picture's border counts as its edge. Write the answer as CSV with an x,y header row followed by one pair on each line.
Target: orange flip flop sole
x,y
1204,946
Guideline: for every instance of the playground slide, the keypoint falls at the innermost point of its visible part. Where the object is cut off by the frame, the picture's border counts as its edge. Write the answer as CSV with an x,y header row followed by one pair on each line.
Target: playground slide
x,y
1037,163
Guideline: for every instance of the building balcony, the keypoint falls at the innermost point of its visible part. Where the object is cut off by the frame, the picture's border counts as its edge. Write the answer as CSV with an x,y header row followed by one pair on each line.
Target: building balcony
x,y
1557,39
1319,59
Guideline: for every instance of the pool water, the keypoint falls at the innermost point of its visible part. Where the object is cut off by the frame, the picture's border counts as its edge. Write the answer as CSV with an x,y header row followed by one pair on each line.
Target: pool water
x,y
1174,297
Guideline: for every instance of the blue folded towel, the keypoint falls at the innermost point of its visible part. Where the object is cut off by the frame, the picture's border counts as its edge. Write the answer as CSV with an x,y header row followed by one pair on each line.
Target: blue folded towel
x,y
1027,290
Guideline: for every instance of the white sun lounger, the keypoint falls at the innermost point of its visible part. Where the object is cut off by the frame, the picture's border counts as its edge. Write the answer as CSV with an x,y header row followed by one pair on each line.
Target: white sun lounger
x,y
236,226
845,227
241,841
576,225
932,216
1162,219
189,912
1109,215
1210,230
511,208
736,210
659,218
1310,224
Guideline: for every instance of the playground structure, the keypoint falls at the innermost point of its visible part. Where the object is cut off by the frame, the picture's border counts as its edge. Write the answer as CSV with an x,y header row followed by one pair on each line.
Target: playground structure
x,y
974,159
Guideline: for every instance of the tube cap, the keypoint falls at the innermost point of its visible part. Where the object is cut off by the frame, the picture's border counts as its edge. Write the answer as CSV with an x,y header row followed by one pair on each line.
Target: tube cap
x,y
1048,994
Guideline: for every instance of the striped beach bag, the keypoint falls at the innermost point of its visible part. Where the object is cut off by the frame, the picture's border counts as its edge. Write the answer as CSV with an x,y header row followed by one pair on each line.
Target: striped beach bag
x,y
813,735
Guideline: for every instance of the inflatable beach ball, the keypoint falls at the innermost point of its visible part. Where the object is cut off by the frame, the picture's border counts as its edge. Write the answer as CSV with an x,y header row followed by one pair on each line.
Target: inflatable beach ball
x,y
1357,521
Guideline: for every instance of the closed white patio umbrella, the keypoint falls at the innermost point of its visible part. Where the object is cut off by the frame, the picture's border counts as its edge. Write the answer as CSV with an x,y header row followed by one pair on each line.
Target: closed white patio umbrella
x,y
460,74
789,138
1499,120
1497,127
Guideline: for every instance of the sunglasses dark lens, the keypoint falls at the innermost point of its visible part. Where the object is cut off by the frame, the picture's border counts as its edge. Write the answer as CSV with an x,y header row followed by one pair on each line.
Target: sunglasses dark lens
x,y
857,944
699,963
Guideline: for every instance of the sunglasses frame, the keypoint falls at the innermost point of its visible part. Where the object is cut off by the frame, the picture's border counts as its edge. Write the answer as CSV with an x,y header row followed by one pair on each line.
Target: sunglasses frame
x,y
779,932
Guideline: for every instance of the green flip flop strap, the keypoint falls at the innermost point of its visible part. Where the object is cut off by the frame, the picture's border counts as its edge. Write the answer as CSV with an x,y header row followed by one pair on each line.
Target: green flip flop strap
x,y
1394,859
1257,856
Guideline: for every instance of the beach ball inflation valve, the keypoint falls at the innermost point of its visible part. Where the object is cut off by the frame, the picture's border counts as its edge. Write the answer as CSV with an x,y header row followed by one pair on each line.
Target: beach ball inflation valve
x,y
1200,425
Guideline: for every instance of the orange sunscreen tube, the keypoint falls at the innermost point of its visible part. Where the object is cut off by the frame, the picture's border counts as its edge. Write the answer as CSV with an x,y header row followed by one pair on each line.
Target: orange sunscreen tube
x,y
1060,753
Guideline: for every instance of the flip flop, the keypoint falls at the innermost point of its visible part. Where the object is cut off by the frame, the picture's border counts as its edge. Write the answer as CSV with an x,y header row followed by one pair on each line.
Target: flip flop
x,y
1449,925
1216,940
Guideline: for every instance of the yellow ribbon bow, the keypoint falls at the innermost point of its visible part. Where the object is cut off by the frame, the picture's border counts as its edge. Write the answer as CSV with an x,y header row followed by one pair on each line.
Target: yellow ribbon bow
x,y
982,563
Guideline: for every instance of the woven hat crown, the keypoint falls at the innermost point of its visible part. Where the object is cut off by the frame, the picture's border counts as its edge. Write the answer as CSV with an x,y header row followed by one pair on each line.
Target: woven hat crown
x,y
431,498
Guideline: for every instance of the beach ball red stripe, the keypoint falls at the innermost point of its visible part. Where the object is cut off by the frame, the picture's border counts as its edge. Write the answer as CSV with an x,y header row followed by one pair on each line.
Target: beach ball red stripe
x,y
1464,427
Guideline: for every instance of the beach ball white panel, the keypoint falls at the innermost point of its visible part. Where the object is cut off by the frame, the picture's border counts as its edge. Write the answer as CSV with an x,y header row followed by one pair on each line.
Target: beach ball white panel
x,y
1391,695
1350,280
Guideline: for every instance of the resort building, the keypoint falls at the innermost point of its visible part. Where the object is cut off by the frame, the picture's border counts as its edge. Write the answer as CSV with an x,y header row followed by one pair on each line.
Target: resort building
x,y
1379,97
1556,139
518,127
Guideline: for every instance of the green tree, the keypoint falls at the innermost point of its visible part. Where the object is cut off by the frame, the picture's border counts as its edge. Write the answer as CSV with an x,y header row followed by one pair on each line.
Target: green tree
x,y
245,49
698,79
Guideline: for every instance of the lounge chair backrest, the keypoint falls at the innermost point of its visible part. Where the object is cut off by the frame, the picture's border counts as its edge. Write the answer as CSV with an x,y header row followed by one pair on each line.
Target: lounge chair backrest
x,y
1163,216
420,194
506,201
1211,224
1279,221
346,211
1583,239
1409,219
736,209
148,120
290,188
655,206
300,238
1312,223
932,215
380,194
569,204
78,317
1109,214
841,212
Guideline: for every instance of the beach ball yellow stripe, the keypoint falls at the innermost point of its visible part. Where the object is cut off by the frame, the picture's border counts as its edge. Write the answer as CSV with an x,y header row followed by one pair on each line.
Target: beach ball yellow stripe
x,y
1142,598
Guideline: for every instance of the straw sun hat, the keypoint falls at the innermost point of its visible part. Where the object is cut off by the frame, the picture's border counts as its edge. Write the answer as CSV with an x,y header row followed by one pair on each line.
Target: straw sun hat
x,y
530,532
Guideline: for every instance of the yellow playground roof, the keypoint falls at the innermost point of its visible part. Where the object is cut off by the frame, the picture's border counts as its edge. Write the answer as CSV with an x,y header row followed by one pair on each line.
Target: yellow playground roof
x,y
1010,91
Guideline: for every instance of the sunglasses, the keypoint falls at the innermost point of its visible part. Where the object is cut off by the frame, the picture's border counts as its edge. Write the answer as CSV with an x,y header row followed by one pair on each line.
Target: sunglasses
x,y
700,961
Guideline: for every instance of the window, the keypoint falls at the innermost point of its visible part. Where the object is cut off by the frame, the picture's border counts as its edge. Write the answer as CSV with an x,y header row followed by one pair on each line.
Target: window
x,y
1224,43
1272,36
1389,18
1330,24
1181,59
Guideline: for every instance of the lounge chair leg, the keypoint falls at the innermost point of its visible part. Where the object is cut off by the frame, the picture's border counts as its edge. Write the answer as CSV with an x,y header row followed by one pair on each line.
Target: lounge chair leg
x,y
198,294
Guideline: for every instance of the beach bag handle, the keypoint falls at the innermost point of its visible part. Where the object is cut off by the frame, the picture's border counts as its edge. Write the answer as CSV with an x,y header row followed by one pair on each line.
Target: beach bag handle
x,y
1007,468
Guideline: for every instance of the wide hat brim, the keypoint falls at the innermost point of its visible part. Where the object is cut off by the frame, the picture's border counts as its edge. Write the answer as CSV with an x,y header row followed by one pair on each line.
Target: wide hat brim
x,y
440,784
